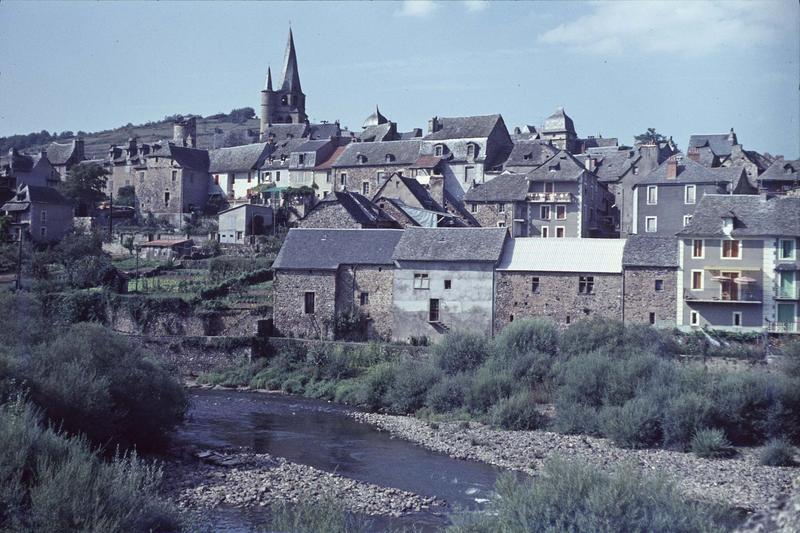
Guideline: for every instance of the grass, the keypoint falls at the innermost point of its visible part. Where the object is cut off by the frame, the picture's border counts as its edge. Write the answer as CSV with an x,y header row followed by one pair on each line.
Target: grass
x,y
129,263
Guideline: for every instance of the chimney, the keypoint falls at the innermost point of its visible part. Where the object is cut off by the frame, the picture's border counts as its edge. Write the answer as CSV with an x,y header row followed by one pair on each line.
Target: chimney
x,y
80,154
672,168
132,150
590,163
436,189
434,125
732,138
694,154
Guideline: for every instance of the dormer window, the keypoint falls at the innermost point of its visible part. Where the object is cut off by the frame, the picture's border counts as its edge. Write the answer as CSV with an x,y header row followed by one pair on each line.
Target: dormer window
x,y
301,159
472,150
438,150
389,158
361,158
285,99
788,169
528,156
283,158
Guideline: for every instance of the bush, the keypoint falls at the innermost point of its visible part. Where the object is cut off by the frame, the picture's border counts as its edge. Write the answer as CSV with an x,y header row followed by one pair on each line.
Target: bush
x,y
328,514
528,336
778,452
460,351
791,354
582,499
583,379
492,382
637,424
585,336
410,386
373,386
712,444
576,419
449,394
683,416
516,413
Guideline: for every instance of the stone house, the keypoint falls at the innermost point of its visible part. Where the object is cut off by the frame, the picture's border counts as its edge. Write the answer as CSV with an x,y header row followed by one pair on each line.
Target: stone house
x,y
334,283
303,162
364,167
724,150
324,173
64,156
527,155
781,177
739,264
346,210
42,211
563,280
124,164
411,204
19,168
472,149
241,223
235,170
174,183
275,168
651,288
444,281
664,200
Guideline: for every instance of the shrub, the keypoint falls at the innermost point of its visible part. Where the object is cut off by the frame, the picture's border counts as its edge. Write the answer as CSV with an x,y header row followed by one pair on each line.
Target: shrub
x,y
373,386
328,514
791,354
516,413
576,419
449,394
460,351
637,424
492,381
683,416
347,391
528,336
412,380
712,444
585,336
582,499
583,379
778,452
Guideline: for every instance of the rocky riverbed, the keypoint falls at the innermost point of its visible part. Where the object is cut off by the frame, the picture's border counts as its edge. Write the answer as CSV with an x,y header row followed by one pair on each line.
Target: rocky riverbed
x,y
739,482
210,479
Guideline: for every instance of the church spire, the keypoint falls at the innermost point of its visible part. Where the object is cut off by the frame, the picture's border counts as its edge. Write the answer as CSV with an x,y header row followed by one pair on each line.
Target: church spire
x,y
269,79
291,77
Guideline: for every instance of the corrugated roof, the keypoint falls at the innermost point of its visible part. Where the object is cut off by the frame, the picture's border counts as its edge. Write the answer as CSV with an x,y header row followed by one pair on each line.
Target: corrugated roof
x,y
326,249
451,244
534,254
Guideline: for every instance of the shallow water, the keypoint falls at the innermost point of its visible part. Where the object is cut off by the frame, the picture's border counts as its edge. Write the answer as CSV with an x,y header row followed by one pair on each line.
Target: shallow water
x,y
322,435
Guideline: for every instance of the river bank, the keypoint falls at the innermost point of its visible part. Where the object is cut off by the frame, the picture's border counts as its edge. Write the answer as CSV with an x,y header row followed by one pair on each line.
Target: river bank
x,y
739,482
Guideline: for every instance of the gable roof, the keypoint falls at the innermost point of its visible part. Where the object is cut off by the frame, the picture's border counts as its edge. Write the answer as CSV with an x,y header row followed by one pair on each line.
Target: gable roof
x,y
651,251
782,170
611,165
561,167
530,153
190,158
754,215
720,144
327,249
328,163
359,207
534,254
464,127
282,132
404,153
504,188
237,158
28,194
450,244
417,190
692,172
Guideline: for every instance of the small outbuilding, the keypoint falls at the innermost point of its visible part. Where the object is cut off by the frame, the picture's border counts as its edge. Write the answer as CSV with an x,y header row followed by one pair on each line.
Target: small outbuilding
x,y
166,249
241,223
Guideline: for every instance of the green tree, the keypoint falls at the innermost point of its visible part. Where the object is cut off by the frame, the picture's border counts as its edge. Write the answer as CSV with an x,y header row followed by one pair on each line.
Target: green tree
x,y
84,186
126,196
650,136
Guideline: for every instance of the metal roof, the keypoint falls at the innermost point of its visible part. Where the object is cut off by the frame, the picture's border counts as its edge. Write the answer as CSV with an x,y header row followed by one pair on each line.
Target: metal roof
x,y
534,254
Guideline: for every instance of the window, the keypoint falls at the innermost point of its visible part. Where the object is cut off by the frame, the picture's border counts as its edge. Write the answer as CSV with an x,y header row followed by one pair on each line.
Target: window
x,y
659,284
787,249
309,301
473,207
737,318
731,250
363,298
43,216
249,177
635,171
650,224
216,179
535,285
586,284
447,284
561,212
501,224
560,232
652,195
343,179
697,280
568,319
697,249
686,220
278,176
549,187
652,318
141,177
266,176
166,198
472,150
381,176
301,159
469,174
786,285
421,281
433,310
545,232
501,208
689,194
43,231
239,235
389,158
694,318
438,150
365,188
544,212
174,175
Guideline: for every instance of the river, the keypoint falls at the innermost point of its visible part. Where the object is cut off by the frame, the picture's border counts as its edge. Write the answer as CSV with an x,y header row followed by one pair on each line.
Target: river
x,y
324,436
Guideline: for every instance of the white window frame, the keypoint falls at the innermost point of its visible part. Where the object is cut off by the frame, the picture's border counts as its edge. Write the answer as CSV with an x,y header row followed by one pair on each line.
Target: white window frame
x,y
702,249
686,190
563,232
686,220
365,187
564,207
780,250
722,250
733,319
647,227
542,209
694,318
501,223
691,280
501,207
422,281
545,231
654,189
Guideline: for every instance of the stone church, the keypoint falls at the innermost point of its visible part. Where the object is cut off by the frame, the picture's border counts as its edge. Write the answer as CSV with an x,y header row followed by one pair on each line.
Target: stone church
x,y
287,104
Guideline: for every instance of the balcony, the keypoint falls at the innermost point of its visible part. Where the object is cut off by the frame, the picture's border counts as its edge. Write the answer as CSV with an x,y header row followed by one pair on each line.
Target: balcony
x,y
724,298
551,197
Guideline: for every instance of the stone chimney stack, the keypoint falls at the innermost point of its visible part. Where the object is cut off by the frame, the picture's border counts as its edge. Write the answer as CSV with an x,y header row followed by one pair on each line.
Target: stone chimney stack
x,y
672,168
694,154
79,151
436,189
434,125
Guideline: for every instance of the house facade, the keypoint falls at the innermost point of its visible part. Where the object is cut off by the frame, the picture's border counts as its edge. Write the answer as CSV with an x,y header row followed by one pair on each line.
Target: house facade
x,y
42,212
650,280
240,223
346,210
174,183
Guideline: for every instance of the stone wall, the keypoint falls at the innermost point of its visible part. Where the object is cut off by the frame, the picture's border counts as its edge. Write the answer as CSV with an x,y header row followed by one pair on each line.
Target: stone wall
x,y
356,176
377,282
190,356
488,213
642,298
557,297
329,215
290,319
189,323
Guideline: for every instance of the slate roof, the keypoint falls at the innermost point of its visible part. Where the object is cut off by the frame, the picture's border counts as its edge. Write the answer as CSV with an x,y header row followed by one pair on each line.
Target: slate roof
x,y
237,158
359,207
291,76
59,154
18,162
404,152
534,254
720,144
427,161
558,122
647,251
530,153
281,149
464,127
599,143
312,146
755,215
27,194
190,158
782,170
283,132
450,244
327,249
323,131
331,160
504,188
691,172
377,132
421,194
610,166
416,133
561,167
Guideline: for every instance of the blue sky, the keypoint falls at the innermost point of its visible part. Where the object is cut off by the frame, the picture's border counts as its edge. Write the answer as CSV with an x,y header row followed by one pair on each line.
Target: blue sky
x,y
616,67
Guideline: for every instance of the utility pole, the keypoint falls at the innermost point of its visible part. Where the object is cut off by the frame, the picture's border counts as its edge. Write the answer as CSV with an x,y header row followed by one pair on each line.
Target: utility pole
x,y
111,216
19,260
136,282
